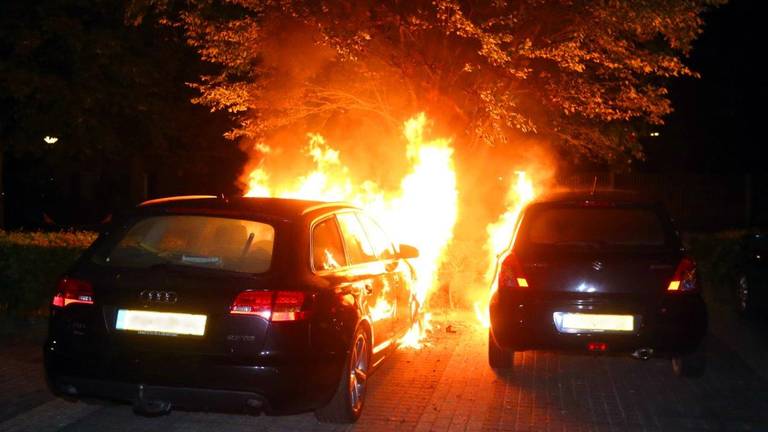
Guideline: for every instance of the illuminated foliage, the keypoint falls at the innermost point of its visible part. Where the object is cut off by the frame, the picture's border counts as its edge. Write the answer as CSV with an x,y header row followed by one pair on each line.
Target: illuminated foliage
x,y
581,74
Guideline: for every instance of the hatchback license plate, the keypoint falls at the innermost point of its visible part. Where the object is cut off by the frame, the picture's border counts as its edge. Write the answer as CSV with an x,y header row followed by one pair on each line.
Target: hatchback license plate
x,y
575,322
162,323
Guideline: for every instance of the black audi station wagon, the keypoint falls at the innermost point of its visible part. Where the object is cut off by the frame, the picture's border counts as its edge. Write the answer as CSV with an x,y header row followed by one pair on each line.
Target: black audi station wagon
x,y
598,272
231,304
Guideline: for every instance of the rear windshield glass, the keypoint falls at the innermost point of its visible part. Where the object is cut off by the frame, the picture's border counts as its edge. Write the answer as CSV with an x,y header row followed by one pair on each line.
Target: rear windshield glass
x,y
596,227
196,241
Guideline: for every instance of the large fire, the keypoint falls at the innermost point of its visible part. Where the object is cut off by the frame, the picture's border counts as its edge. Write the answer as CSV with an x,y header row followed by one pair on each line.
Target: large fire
x,y
422,212
500,236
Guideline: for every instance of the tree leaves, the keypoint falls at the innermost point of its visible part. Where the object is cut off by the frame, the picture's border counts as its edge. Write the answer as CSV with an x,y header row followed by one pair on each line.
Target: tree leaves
x,y
564,71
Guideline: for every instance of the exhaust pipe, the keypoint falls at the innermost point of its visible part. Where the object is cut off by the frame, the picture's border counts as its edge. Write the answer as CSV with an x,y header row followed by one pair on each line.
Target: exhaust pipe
x,y
150,408
643,353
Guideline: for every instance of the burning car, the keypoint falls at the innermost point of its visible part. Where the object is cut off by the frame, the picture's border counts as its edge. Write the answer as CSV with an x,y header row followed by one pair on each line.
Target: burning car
x,y
241,304
598,272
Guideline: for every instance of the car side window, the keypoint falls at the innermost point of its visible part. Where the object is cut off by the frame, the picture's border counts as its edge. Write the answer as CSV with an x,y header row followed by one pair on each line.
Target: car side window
x,y
381,243
327,249
358,246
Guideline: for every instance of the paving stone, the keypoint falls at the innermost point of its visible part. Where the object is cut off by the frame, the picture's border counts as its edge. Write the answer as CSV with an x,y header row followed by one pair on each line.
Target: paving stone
x,y
448,386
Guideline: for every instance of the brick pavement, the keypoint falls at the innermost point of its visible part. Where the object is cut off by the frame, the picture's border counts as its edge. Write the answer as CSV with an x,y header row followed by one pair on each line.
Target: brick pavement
x,y
449,387
21,384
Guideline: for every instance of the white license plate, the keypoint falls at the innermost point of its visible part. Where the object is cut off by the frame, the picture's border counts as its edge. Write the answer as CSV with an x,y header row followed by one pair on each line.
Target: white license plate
x,y
163,323
575,322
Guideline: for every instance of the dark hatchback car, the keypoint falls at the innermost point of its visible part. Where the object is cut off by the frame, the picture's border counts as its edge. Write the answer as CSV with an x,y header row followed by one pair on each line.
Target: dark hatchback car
x,y
752,274
242,304
598,272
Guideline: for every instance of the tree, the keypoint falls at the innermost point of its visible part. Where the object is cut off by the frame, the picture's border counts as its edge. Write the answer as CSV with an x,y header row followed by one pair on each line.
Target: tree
x,y
584,75
109,93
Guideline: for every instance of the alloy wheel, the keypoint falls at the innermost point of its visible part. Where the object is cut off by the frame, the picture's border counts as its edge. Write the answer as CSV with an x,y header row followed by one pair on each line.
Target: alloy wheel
x,y
358,373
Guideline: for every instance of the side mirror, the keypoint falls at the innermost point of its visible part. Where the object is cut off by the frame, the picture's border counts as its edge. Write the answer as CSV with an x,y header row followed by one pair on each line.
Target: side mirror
x,y
408,251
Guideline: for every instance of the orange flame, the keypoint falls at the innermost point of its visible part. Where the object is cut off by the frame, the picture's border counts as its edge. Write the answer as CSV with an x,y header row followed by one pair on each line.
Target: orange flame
x,y
500,235
422,212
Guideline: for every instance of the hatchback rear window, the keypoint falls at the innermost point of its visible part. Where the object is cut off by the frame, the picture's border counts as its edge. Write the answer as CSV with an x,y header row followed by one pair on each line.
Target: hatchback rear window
x,y
196,241
568,226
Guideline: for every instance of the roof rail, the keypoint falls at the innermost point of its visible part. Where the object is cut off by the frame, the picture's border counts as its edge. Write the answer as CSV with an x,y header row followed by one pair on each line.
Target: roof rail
x,y
174,198
326,205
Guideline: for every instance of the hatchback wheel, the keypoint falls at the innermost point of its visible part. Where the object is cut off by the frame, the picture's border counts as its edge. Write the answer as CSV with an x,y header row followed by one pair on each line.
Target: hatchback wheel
x,y
347,403
498,357
692,365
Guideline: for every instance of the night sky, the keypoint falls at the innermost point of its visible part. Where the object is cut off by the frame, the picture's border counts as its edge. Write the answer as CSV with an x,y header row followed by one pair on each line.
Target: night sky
x,y
719,123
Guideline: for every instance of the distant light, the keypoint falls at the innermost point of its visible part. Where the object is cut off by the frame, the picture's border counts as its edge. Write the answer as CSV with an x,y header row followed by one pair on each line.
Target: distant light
x,y
50,139
654,134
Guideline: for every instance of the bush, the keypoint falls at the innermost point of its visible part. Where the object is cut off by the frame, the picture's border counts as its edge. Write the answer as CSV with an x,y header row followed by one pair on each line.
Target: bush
x,y
717,256
30,263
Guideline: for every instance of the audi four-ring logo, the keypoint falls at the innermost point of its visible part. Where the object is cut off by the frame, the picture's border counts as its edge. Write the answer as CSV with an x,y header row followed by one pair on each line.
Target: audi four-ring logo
x,y
169,297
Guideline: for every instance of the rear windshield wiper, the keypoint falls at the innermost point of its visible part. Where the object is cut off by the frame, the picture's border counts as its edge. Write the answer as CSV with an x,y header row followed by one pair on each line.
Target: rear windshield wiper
x,y
582,243
187,268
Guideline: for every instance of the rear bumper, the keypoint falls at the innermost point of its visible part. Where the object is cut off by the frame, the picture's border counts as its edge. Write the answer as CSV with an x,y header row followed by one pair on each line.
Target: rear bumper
x,y
196,383
671,326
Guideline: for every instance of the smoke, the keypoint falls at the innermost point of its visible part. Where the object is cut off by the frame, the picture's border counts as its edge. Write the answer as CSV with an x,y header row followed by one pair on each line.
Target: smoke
x,y
365,126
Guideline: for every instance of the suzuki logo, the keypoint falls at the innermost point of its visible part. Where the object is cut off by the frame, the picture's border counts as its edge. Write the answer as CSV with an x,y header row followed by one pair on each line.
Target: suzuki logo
x,y
167,297
598,265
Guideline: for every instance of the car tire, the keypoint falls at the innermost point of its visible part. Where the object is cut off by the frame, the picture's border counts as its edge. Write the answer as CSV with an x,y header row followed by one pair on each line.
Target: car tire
x,y
348,401
744,303
498,357
691,365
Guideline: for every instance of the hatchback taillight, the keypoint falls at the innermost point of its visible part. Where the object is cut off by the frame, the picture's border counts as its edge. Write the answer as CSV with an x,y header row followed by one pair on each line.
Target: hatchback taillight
x,y
511,274
70,291
684,278
271,305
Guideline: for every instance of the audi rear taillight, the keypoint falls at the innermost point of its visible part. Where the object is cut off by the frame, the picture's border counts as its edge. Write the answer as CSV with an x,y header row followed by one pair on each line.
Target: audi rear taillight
x,y
684,278
271,305
289,306
253,303
72,291
511,274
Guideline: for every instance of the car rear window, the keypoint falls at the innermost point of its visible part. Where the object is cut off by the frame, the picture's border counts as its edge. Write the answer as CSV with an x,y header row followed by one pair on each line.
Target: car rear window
x,y
196,241
584,226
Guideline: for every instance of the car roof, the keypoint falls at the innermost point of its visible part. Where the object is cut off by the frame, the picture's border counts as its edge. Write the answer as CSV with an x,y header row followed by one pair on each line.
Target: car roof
x,y
282,208
612,195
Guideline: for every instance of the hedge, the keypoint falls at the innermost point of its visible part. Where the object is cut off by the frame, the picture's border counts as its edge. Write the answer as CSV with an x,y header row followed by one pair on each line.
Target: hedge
x,y
717,256
30,263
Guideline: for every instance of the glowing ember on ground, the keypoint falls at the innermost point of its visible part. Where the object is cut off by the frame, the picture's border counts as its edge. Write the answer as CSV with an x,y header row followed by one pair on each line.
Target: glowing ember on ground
x,y
422,212
500,237
415,336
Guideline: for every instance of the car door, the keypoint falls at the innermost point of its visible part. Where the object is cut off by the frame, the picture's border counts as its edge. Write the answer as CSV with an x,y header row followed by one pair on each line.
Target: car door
x,y
395,289
370,273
